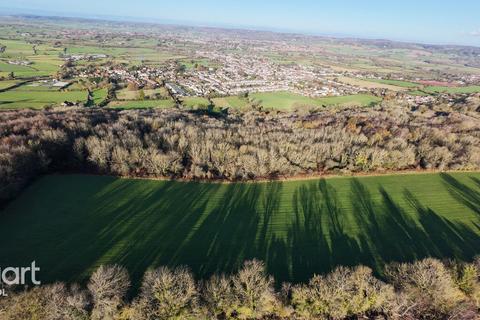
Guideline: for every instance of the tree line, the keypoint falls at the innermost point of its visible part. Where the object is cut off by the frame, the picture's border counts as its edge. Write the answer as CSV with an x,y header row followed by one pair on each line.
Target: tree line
x,y
234,145
426,289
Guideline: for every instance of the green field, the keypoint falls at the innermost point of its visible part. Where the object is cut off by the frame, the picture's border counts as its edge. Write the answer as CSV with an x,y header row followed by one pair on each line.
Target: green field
x,y
37,99
70,224
7,84
398,83
42,66
230,102
18,98
126,94
288,101
35,88
99,95
195,102
191,63
418,93
168,103
452,90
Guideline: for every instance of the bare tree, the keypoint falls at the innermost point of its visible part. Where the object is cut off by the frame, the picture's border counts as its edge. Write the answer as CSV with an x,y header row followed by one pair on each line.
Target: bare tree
x,y
108,286
167,294
253,289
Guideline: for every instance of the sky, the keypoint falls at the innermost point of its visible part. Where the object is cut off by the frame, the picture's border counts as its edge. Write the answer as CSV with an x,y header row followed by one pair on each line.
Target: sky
x,y
426,21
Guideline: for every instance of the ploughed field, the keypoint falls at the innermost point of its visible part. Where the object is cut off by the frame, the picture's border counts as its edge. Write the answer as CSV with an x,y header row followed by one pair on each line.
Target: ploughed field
x,y
71,224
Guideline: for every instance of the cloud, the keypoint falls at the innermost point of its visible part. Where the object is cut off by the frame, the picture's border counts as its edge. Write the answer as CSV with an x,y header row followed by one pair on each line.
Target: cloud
x,y
475,33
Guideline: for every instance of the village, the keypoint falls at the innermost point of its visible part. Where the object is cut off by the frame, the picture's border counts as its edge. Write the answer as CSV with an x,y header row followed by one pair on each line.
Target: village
x,y
202,64
230,75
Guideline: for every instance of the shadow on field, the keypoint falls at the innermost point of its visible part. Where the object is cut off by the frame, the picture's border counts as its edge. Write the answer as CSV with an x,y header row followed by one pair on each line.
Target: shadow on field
x,y
72,224
445,239
383,232
463,193
317,239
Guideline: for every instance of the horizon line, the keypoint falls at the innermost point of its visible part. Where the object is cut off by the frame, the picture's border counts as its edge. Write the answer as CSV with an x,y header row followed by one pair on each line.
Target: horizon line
x,y
17,12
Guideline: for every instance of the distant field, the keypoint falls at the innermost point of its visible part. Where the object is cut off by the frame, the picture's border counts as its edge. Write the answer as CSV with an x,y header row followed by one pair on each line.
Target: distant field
x,y
100,95
359,99
370,84
298,228
193,102
190,63
418,93
230,102
126,94
398,83
16,99
35,87
20,48
43,65
6,67
134,55
7,84
453,90
38,99
288,101
142,104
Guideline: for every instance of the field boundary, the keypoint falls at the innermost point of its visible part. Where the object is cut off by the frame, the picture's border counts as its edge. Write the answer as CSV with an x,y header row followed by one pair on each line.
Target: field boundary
x,y
304,177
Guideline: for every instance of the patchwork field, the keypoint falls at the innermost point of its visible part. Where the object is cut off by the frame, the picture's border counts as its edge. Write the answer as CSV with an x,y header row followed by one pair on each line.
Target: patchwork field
x,y
288,101
42,65
70,224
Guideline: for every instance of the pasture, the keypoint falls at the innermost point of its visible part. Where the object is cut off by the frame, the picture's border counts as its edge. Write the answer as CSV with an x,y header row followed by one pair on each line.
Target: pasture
x,y
44,63
452,90
133,55
71,224
126,94
370,84
195,102
398,83
8,84
30,98
144,104
289,101
234,102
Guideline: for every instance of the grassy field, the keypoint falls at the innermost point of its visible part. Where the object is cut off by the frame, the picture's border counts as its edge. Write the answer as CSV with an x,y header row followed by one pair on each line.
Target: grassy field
x,y
452,90
100,95
37,86
126,94
190,64
18,98
142,104
288,101
194,102
370,84
230,102
70,224
42,65
37,99
398,83
7,84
